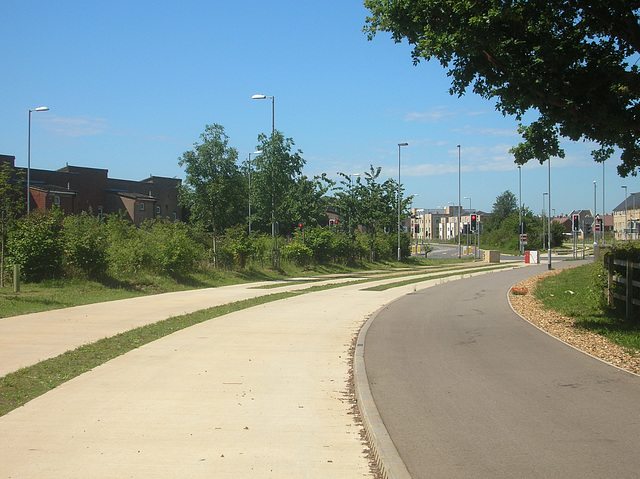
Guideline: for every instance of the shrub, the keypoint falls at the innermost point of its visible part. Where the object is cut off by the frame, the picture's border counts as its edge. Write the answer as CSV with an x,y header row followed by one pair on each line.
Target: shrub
x,y
235,244
170,249
85,245
126,252
319,241
34,243
297,253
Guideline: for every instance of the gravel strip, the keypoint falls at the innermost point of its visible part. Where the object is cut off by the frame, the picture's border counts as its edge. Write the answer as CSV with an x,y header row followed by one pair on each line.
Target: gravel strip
x,y
564,328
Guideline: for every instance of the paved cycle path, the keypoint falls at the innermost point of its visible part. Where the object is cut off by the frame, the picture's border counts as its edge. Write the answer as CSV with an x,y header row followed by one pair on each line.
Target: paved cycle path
x,y
262,392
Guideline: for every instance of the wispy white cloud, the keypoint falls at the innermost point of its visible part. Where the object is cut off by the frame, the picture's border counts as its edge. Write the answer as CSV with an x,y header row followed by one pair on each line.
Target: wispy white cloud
x,y
75,126
433,115
478,158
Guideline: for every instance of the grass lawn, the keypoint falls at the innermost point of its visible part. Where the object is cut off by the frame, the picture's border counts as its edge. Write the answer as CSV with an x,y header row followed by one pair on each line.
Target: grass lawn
x,y
574,293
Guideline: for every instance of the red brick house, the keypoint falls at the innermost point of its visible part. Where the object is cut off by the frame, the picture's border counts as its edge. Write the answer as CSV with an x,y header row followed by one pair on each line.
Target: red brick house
x,y
75,189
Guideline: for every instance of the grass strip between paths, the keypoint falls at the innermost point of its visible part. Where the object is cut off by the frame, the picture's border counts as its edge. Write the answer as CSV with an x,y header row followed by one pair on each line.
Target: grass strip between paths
x,y
397,284
19,387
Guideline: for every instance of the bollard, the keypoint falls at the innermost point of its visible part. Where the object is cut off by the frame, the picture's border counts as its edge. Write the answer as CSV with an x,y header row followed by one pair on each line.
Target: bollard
x,y
16,278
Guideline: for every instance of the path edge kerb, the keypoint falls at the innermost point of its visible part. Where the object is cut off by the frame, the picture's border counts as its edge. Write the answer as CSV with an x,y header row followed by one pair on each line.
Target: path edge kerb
x,y
384,451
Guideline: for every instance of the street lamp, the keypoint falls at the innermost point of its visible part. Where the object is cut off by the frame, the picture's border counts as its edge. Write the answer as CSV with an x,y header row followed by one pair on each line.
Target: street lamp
x,y
549,225
543,195
273,101
273,200
604,211
595,216
459,208
257,152
399,197
624,228
470,211
40,108
520,208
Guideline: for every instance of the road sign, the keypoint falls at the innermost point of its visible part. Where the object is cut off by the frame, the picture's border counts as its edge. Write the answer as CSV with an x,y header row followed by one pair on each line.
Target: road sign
x,y
523,239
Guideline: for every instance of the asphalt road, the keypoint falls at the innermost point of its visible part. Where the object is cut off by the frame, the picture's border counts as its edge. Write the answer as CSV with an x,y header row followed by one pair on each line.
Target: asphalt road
x,y
467,389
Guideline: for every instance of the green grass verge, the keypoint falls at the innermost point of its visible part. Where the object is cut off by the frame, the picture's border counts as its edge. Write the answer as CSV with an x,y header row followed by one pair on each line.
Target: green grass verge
x,y
575,293
425,277
19,387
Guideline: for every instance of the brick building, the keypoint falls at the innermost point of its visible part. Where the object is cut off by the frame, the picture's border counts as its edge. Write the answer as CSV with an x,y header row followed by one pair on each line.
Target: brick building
x,y
75,189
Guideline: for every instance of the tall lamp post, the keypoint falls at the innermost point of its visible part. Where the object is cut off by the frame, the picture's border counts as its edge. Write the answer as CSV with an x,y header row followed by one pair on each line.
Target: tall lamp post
x,y
273,106
549,224
470,212
595,217
40,108
459,208
624,228
257,152
273,200
520,208
400,145
543,215
604,211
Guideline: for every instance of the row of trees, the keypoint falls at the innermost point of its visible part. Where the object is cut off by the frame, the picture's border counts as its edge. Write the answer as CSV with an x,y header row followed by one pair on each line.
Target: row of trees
x,y
237,214
269,193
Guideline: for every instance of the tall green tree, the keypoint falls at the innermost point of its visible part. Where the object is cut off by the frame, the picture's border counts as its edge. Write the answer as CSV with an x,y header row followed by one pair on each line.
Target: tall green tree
x,y
574,62
276,172
213,190
377,205
11,204
306,203
505,205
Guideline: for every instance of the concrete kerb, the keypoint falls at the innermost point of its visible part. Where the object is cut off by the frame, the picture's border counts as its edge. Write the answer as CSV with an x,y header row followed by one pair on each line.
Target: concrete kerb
x,y
384,451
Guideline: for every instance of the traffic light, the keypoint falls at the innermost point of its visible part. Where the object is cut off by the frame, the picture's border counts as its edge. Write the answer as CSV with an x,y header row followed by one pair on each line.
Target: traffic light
x,y
576,223
474,222
300,224
416,228
331,222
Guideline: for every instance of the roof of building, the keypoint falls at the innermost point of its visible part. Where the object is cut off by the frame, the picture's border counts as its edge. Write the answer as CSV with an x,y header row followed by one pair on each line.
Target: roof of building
x,y
632,201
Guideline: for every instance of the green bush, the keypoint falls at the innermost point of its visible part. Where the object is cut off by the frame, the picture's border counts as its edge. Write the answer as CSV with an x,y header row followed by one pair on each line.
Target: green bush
x,y
236,245
319,241
297,253
341,248
34,243
126,252
85,245
170,249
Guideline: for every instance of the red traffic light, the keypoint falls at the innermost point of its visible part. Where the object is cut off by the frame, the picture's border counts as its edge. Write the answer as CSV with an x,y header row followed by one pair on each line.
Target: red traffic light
x,y
300,225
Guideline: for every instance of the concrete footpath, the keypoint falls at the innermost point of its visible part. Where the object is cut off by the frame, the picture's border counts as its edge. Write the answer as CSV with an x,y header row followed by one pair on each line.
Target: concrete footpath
x,y
262,392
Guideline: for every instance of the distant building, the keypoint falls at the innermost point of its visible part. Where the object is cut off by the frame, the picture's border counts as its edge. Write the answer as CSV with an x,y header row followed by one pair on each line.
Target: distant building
x,y
626,218
75,189
440,224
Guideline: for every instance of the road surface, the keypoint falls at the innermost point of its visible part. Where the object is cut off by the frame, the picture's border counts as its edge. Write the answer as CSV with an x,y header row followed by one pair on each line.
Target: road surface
x,y
467,389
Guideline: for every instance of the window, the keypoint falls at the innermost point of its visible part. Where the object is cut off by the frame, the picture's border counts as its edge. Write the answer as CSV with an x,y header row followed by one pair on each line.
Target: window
x,y
56,200
158,208
141,206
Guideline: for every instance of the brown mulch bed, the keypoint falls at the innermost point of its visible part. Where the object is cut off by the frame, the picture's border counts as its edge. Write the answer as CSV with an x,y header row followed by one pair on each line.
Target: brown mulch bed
x,y
564,328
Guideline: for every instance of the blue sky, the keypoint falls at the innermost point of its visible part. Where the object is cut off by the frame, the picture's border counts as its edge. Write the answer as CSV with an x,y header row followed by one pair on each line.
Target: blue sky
x,y
132,84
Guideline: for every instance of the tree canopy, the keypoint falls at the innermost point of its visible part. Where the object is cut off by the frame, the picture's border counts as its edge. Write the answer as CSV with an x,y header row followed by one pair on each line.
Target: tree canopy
x,y
214,183
572,61
505,205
